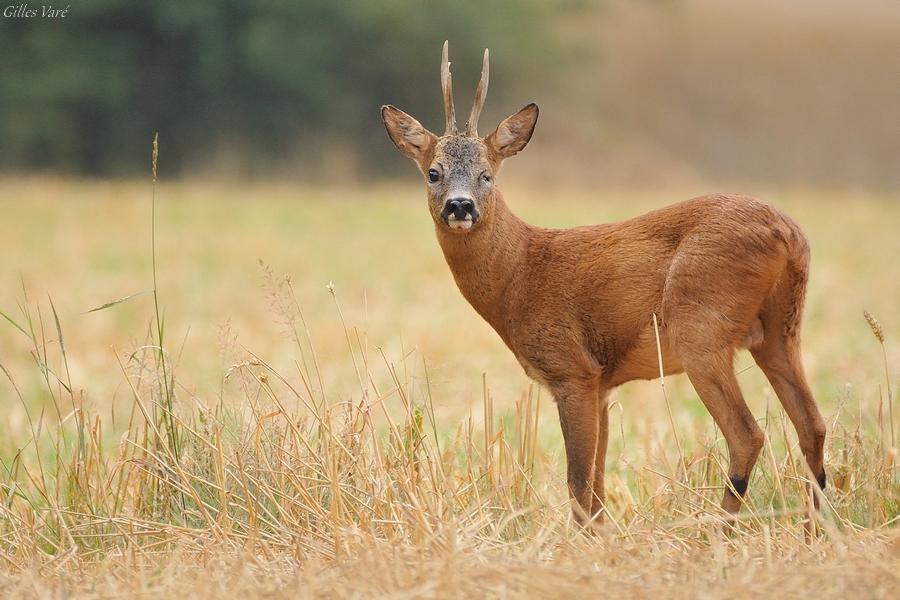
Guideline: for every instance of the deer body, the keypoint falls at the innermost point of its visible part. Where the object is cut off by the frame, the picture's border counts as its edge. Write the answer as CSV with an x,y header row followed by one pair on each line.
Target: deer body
x,y
596,285
576,306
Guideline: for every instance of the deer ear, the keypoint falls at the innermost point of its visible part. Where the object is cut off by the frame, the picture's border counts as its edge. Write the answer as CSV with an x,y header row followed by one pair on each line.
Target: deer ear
x,y
513,132
408,135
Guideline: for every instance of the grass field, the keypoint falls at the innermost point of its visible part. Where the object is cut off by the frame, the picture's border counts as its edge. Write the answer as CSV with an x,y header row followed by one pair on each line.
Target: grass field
x,y
327,416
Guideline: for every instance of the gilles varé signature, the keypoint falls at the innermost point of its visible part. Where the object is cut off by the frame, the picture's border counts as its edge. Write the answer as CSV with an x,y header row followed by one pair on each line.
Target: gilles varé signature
x,y
24,11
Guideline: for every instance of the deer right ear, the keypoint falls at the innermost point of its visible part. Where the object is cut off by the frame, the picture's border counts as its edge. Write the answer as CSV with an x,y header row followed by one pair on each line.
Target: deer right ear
x,y
408,135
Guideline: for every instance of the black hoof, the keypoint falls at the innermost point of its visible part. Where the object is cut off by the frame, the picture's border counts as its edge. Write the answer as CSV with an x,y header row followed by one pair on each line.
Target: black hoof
x,y
740,485
821,479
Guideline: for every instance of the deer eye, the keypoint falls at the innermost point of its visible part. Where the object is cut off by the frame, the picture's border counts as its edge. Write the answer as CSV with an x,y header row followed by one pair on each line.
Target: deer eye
x,y
485,178
433,175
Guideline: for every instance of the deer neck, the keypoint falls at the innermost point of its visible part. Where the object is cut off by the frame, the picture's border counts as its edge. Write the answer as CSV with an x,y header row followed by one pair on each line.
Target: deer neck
x,y
486,260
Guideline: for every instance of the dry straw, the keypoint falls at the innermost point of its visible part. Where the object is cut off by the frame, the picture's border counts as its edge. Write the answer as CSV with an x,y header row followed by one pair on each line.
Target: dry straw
x,y
281,487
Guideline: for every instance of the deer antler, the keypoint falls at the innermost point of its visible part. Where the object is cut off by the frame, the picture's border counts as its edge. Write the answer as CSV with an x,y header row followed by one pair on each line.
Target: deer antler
x,y
480,94
447,88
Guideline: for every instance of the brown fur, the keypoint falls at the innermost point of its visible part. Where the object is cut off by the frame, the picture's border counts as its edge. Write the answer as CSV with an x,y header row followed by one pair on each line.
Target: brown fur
x,y
576,306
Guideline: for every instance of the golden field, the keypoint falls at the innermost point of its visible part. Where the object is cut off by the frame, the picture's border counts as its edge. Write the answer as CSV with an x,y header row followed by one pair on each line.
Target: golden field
x,y
326,416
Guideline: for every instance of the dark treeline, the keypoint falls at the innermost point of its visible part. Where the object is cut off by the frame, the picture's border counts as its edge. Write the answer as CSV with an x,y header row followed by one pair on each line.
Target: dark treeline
x,y
647,92
261,86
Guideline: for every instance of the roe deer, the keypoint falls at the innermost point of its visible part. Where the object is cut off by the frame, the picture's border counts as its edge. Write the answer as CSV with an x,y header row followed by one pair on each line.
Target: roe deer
x,y
576,306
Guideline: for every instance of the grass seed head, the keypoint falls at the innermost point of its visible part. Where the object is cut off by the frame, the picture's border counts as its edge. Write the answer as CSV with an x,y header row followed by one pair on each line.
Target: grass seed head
x,y
155,154
875,325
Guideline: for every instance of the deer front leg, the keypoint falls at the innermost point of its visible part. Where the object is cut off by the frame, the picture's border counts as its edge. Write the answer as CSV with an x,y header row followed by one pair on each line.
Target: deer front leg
x,y
599,498
578,404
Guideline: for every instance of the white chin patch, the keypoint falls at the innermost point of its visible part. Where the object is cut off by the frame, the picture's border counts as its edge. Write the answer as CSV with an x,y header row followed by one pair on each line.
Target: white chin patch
x,y
460,223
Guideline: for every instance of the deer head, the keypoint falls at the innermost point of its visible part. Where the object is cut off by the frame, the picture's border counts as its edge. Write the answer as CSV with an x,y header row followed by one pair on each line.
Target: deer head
x,y
459,168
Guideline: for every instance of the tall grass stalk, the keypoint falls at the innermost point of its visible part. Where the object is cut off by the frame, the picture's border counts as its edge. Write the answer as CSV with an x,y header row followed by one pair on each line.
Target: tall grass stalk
x,y
166,387
878,332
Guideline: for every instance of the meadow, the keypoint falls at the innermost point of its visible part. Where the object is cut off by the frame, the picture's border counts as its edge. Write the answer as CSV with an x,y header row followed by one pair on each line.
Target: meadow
x,y
296,401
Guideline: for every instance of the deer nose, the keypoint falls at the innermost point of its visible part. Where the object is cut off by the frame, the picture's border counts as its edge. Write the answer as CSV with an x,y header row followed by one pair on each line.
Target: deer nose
x,y
460,208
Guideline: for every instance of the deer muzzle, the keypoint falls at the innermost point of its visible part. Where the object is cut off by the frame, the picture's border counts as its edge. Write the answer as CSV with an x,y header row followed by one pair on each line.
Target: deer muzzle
x,y
459,213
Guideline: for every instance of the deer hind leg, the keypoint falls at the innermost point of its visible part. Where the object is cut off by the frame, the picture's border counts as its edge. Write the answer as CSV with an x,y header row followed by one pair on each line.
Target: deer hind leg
x,y
712,376
779,359
578,403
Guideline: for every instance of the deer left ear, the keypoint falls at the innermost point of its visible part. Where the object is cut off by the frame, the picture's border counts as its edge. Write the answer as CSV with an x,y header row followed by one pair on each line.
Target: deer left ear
x,y
408,135
513,133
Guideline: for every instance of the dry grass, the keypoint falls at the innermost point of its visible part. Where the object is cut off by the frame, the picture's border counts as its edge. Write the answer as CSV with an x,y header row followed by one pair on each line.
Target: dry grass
x,y
338,461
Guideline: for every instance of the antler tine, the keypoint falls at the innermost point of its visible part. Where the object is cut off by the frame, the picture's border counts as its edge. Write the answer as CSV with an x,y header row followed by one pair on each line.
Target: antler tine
x,y
447,88
480,95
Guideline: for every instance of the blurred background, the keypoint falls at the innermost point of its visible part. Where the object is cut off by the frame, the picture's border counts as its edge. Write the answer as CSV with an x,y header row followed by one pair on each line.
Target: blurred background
x,y
271,145
651,91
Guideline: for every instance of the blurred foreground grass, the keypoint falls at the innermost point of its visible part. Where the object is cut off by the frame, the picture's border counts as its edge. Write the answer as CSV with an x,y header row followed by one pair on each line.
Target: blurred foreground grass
x,y
347,430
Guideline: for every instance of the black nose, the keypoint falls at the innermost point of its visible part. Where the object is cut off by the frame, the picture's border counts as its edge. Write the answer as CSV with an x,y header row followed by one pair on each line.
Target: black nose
x,y
460,208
